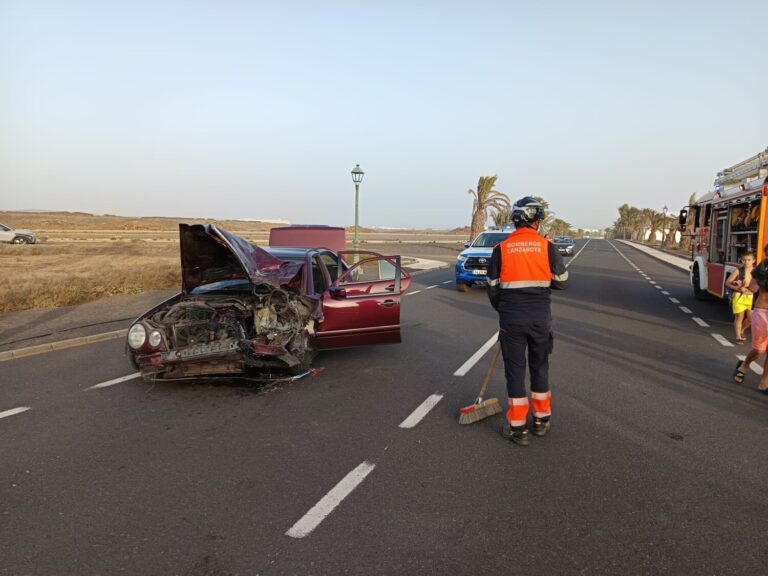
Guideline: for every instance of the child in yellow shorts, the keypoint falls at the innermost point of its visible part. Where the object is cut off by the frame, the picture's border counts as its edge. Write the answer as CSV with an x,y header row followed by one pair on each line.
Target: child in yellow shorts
x,y
741,301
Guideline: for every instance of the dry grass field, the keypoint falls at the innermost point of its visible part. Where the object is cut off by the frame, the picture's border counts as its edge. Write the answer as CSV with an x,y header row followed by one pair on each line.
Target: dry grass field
x,y
82,257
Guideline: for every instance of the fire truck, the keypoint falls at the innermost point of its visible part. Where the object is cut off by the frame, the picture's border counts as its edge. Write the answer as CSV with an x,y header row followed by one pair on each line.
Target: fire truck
x,y
727,222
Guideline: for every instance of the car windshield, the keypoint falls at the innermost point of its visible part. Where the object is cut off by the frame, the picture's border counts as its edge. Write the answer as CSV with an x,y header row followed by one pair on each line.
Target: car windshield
x,y
489,240
563,240
237,285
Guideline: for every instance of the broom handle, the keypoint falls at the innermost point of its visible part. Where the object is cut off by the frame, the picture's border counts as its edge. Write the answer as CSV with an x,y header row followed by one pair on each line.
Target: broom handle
x,y
490,372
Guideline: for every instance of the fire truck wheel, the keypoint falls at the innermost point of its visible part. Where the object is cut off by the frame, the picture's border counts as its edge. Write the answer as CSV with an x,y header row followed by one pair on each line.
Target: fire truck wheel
x,y
698,293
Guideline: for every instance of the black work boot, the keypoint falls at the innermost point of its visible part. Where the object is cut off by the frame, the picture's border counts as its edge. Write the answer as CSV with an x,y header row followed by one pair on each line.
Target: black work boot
x,y
518,436
540,426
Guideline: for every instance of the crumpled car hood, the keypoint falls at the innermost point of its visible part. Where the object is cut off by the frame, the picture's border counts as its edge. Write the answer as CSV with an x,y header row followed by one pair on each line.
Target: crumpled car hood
x,y
211,254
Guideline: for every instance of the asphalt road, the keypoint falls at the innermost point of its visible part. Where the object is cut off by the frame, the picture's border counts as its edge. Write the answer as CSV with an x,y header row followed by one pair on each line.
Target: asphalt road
x,y
656,463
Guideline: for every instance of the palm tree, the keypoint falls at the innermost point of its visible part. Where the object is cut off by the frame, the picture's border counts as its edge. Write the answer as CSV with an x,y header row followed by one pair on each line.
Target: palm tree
x,y
559,227
500,218
657,222
485,197
624,221
549,217
685,238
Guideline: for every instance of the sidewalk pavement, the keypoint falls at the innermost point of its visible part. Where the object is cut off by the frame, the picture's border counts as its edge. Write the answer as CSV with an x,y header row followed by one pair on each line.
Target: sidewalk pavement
x,y
36,331
677,261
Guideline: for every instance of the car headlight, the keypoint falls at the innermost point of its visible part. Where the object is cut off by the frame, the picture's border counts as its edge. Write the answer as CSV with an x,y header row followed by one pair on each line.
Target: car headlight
x,y
137,335
155,338
462,258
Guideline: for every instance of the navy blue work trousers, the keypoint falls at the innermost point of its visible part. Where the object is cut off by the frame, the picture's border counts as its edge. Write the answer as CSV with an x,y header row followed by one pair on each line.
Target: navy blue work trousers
x,y
531,338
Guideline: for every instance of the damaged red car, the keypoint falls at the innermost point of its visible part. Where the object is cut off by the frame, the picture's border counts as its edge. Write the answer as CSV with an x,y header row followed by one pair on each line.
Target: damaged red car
x,y
250,311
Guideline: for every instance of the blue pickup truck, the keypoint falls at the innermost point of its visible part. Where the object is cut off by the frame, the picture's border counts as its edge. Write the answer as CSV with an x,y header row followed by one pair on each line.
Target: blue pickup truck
x,y
472,263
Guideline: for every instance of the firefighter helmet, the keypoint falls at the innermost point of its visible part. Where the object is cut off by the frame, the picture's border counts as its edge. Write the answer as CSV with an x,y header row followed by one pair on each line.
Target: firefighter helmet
x,y
527,211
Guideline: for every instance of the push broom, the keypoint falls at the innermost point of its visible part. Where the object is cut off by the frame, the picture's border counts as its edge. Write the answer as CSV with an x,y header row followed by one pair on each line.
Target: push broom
x,y
482,408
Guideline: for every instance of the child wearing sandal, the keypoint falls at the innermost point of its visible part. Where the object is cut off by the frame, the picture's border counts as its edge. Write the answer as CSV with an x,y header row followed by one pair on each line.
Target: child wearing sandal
x,y
758,285
741,301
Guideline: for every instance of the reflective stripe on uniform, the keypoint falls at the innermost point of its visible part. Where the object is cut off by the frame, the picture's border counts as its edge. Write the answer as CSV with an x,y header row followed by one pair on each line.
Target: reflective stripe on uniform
x,y
526,284
493,282
541,404
517,415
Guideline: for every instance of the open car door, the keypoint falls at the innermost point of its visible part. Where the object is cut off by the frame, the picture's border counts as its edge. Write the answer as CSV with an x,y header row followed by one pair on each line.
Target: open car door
x,y
363,305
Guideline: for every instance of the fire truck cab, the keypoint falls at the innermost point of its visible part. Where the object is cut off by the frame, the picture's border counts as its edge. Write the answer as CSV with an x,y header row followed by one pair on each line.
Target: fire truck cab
x,y
727,222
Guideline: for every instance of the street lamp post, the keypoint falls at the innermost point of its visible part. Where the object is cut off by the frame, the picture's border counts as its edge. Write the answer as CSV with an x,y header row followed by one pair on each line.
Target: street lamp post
x,y
357,177
664,228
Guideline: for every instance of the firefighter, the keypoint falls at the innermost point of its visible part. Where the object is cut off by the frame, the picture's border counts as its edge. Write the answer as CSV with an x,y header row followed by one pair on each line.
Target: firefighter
x,y
523,269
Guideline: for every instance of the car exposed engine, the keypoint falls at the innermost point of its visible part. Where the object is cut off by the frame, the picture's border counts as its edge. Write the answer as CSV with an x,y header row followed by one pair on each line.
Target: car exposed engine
x,y
268,327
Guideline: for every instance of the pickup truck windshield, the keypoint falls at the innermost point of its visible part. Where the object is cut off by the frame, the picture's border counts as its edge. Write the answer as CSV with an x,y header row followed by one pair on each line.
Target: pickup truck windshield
x,y
489,240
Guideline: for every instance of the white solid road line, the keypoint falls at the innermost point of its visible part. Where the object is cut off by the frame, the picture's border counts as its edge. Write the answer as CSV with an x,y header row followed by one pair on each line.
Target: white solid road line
x,y
328,503
674,301
115,381
722,339
577,253
423,409
700,322
14,411
756,368
467,366
430,287
686,310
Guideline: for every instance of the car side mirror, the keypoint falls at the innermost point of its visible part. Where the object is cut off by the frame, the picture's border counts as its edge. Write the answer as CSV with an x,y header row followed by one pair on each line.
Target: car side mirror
x,y
338,292
466,244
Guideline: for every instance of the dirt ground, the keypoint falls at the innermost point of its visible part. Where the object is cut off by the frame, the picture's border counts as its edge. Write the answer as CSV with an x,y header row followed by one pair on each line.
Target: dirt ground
x,y
81,258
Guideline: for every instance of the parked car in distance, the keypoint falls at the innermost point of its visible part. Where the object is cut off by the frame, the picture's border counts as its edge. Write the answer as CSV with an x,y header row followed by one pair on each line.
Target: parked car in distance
x,y
249,311
472,263
564,245
8,234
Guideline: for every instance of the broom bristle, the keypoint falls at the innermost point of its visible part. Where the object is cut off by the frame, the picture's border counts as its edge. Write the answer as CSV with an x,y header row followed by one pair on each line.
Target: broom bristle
x,y
477,412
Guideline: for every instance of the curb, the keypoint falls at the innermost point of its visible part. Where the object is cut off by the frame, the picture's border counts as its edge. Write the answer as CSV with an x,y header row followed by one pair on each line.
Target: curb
x,y
82,340
418,272
659,255
61,345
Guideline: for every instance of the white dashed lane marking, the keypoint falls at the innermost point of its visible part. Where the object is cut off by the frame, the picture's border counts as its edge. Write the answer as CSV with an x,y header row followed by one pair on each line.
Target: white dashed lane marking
x,y
412,293
447,281
665,293
14,411
754,366
658,287
467,366
113,382
722,339
420,412
685,310
430,287
330,501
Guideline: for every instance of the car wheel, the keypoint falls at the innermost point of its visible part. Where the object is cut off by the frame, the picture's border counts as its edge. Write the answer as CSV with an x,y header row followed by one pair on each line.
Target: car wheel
x,y
462,287
19,240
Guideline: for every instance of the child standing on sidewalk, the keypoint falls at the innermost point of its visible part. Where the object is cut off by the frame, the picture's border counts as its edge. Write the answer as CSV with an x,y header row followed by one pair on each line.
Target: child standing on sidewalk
x,y
741,301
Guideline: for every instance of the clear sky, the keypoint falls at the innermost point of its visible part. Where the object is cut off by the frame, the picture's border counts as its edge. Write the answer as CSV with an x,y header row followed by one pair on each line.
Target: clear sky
x,y
260,109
